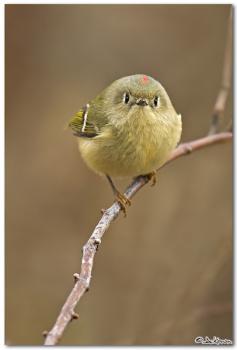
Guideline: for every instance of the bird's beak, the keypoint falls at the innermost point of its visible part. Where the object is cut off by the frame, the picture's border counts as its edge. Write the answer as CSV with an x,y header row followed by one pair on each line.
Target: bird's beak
x,y
141,102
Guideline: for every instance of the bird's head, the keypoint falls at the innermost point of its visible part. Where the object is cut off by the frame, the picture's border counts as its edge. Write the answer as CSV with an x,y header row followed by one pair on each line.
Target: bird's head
x,y
136,95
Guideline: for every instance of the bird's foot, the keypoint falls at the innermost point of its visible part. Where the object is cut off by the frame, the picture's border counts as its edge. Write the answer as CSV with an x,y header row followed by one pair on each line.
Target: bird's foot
x,y
152,177
123,201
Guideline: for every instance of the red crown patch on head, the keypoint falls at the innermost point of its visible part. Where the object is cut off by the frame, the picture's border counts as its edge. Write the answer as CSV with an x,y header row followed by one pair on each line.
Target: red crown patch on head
x,y
145,79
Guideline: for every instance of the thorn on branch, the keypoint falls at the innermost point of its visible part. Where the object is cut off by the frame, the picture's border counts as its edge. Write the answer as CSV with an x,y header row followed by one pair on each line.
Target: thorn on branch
x,y
45,333
188,148
97,242
75,316
76,277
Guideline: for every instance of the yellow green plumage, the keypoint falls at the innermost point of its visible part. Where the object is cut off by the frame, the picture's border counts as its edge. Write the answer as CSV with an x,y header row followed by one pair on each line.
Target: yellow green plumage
x,y
128,139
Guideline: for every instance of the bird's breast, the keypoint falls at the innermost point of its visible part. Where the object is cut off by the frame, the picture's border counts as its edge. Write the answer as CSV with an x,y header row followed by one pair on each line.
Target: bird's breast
x,y
142,145
137,147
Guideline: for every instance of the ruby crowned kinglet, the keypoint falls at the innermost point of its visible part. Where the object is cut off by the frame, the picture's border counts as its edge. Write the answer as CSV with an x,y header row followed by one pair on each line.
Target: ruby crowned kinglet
x,y
129,129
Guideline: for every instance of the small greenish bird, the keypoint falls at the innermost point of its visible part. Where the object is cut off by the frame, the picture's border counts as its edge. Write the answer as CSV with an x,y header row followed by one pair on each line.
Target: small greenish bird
x,y
129,129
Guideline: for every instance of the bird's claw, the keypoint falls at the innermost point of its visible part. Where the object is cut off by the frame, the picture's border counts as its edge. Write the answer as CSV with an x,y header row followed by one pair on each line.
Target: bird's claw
x,y
152,177
123,201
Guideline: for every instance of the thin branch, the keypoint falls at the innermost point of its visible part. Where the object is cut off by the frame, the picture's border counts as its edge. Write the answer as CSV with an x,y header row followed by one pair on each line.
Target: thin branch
x,y
222,96
82,280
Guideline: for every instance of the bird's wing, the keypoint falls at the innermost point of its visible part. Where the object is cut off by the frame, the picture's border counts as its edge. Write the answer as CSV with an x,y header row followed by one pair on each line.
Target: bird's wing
x,y
83,123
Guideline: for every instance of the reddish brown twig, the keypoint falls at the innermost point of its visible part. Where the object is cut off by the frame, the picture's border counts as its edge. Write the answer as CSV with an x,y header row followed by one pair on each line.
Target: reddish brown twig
x,y
189,147
82,280
222,96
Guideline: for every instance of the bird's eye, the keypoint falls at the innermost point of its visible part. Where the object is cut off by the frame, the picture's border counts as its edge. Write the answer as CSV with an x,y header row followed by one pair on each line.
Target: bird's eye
x,y
156,101
126,98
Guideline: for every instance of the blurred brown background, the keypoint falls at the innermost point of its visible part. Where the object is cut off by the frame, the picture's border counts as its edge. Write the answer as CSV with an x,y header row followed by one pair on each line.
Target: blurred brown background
x,y
164,274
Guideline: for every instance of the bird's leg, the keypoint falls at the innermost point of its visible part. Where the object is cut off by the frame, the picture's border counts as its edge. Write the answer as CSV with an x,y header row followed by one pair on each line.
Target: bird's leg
x,y
152,177
120,197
